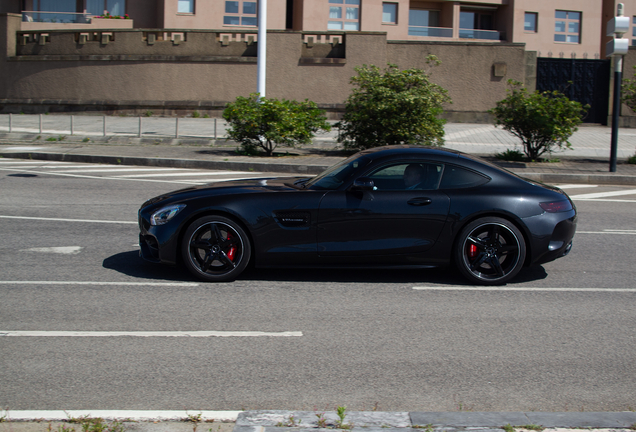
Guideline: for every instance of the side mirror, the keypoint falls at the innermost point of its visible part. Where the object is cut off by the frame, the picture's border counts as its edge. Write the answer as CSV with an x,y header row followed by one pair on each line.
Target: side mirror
x,y
363,184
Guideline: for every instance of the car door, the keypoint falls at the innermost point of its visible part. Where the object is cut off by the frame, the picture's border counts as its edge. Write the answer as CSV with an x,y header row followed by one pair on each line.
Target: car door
x,y
388,221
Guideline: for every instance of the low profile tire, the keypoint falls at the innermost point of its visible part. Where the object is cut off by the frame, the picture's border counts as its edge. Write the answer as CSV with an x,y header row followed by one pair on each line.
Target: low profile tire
x,y
215,249
490,251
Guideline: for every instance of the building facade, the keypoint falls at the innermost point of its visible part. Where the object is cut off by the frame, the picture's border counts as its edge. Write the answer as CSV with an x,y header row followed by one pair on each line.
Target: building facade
x,y
562,41
552,28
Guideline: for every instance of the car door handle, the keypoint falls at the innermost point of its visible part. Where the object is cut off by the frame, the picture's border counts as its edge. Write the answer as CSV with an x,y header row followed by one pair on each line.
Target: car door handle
x,y
419,201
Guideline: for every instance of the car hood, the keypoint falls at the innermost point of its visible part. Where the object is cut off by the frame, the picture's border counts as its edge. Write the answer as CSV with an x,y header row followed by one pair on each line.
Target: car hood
x,y
260,185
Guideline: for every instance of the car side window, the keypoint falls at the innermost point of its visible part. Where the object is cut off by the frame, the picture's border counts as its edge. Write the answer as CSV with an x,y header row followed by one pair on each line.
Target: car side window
x,y
407,175
460,178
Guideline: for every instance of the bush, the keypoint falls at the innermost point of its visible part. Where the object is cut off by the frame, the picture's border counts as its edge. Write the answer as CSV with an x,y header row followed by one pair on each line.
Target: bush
x,y
393,107
541,120
628,92
267,123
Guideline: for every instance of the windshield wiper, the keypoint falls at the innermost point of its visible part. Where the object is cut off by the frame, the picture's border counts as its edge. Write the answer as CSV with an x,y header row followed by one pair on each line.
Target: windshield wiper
x,y
299,184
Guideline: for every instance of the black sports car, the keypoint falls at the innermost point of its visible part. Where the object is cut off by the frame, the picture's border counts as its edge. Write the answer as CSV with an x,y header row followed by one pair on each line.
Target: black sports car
x,y
393,207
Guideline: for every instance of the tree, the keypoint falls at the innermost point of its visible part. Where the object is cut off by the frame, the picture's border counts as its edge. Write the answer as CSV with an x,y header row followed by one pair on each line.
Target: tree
x,y
628,91
541,120
393,107
267,123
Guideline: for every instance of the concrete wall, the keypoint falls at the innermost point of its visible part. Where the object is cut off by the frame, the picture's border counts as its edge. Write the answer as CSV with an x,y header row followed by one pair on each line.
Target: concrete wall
x,y
181,71
628,116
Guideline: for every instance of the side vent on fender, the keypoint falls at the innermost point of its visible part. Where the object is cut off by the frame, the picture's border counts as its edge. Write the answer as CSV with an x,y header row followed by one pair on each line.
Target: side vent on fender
x,y
293,219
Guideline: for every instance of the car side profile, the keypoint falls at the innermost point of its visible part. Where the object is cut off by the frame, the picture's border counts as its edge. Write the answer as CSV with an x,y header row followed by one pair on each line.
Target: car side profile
x,y
392,207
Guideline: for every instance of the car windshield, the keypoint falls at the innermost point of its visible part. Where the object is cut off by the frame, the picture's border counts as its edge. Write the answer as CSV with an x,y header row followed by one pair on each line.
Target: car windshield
x,y
336,175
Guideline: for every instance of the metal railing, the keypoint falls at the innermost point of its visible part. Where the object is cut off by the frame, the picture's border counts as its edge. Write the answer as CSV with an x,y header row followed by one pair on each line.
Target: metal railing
x,y
56,17
113,126
480,34
430,31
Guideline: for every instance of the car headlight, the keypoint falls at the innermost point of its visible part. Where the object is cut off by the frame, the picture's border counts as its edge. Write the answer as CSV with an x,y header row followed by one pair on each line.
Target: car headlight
x,y
164,214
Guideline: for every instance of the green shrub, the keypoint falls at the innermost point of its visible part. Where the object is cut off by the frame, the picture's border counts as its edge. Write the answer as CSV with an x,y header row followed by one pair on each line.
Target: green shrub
x,y
541,120
393,107
511,155
267,123
628,92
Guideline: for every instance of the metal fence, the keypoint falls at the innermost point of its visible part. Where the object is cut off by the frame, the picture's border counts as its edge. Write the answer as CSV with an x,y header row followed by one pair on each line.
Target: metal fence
x,y
109,126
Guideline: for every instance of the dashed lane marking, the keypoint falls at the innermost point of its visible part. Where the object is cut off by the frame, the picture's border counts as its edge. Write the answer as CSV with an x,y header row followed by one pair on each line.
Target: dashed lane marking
x,y
520,289
604,194
189,334
103,283
67,220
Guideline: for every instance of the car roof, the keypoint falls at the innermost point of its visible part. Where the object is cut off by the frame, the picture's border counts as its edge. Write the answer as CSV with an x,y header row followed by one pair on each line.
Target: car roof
x,y
397,150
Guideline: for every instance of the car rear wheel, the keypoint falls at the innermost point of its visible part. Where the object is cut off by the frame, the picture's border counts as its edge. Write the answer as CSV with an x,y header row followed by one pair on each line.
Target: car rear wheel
x,y
490,251
215,249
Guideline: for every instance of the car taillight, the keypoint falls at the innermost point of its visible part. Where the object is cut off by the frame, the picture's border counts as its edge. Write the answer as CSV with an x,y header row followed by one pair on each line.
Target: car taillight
x,y
556,206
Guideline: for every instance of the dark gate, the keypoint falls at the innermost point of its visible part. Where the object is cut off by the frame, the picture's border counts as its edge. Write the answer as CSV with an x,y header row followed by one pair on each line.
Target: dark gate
x,y
589,83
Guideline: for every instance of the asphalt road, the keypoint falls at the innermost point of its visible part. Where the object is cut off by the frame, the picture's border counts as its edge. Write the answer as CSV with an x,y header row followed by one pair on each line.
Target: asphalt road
x,y
560,338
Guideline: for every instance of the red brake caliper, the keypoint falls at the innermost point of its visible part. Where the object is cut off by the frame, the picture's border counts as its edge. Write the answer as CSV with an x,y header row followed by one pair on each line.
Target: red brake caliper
x,y
232,252
472,251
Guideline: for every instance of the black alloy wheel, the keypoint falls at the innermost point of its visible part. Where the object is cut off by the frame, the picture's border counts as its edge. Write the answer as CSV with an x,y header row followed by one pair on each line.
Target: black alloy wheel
x,y
490,251
215,249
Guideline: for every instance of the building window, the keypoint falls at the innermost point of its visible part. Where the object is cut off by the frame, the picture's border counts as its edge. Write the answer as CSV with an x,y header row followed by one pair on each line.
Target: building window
x,y
185,6
634,30
389,13
567,26
530,22
426,23
240,13
113,7
344,15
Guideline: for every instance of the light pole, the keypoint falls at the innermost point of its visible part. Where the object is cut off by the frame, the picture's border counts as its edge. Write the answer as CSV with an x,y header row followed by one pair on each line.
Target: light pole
x,y
261,61
617,48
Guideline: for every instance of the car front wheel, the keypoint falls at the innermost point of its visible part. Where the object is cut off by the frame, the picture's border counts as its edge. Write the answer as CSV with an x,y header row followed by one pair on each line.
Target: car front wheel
x,y
490,251
215,249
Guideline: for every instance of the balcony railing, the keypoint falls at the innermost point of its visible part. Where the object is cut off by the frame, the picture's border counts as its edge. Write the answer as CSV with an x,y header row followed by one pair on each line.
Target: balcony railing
x,y
56,17
480,34
430,31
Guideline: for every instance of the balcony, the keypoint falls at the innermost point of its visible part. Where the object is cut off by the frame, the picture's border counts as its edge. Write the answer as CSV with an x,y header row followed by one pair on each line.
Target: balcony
x,y
480,34
431,31
56,17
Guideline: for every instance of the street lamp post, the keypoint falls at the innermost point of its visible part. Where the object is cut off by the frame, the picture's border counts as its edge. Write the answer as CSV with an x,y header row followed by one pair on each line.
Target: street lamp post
x,y
261,62
617,48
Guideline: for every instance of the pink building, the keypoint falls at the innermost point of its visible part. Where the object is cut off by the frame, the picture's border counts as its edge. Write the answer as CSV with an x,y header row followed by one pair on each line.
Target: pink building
x,y
552,28
315,46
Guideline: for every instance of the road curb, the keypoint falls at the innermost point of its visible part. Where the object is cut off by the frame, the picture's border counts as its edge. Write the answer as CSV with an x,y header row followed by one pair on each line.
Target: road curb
x,y
172,163
271,421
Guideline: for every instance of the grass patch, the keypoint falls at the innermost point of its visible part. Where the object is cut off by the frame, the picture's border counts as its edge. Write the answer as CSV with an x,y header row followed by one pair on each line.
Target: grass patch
x,y
532,427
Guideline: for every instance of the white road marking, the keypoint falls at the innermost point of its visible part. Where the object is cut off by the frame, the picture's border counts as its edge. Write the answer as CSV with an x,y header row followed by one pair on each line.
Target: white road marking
x,y
521,289
121,178
67,220
609,231
575,186
112,168
604,194
109,168
138,415
66,250
103,283
188,174
608,200
197,334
